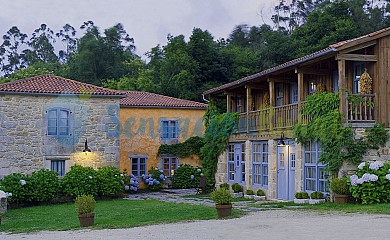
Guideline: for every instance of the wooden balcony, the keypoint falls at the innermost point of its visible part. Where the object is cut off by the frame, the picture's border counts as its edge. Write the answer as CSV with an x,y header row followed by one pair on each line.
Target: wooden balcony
x,y
273,118
360,108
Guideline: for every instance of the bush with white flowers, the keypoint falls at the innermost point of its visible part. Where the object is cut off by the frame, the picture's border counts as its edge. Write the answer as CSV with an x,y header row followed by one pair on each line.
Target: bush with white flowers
x,y
186,176
371,183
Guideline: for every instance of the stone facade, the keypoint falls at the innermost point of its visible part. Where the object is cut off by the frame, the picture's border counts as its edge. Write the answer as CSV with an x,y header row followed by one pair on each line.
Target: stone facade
x,y
26,147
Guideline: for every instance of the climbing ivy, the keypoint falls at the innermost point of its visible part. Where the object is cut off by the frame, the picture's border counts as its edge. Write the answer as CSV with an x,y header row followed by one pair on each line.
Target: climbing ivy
x,y
218,130
337,141
189,147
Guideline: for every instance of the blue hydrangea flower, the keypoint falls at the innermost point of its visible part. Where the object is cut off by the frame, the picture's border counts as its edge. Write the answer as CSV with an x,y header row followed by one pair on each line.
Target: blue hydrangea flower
x,y
154,181
131,181
127,188
135,188
132,175
122,182
161,171
150,183
192,177
161,176
157,182
147,180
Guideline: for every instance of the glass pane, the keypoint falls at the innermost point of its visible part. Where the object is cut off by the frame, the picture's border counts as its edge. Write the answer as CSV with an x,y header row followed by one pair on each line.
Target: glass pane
x,y
63,114
52,114
52,123
265,147
52,131
63,122
311,172
265,158
307,158
310,185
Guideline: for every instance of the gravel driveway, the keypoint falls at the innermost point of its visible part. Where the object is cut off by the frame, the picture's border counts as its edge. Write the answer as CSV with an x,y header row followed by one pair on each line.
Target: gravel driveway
x,y
273,224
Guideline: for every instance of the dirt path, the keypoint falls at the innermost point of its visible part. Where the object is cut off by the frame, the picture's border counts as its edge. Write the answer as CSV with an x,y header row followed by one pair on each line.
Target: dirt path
x,y
276,224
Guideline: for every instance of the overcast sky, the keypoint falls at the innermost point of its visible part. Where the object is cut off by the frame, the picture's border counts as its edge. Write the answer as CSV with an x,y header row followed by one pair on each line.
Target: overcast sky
x,y
147,21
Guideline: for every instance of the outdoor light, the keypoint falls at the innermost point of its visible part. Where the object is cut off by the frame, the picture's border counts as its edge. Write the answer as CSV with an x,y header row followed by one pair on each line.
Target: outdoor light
x,y
281,142
86,149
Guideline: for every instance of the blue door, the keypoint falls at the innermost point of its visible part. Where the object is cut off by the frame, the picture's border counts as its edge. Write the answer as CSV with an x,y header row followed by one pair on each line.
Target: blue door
x,y
285,188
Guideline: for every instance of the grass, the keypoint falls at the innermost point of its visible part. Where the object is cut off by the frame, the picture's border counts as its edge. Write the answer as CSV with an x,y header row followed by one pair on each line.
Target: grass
x,y
332,207
207,196
117,213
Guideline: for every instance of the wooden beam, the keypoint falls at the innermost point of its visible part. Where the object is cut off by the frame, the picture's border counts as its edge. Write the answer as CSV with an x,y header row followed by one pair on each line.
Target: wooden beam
x,y
342,86
271,92
282,80
248,106
228,103
301,93
356,57
257,87
313,71
358,47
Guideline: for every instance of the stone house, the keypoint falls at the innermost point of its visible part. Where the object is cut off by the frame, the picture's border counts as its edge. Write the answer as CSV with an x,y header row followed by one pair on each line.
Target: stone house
x,y
149,120
269,103
46,120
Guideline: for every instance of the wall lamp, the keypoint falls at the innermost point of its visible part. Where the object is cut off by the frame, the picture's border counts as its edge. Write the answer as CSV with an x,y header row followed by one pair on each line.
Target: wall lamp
x,y
281,141
86,149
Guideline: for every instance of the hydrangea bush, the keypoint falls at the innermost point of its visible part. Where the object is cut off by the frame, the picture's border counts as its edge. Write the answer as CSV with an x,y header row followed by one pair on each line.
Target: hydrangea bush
x,y
371,183
154,180
80,181
43,186
133,184
186,176
110,181
18,185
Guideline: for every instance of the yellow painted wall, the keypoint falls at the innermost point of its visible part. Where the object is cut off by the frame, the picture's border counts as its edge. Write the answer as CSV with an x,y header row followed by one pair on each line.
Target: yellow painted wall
x,y
140,133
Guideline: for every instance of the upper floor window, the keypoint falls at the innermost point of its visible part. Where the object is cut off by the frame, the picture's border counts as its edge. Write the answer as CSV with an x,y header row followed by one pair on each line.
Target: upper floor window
x,y
335,79
358,70
58,122
170,129
293,93
279,94
312,87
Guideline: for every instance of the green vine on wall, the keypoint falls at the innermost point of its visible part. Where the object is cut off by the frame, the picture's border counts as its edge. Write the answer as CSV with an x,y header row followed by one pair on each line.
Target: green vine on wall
x,y
337,141
218,130
189,147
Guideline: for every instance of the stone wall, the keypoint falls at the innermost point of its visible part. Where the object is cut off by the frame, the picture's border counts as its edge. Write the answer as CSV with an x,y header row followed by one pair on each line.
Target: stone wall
x,y
25,146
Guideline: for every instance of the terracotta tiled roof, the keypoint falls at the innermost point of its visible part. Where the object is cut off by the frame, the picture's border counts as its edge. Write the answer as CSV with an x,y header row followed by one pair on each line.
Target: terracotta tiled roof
x,y
146,99
329,50
50,84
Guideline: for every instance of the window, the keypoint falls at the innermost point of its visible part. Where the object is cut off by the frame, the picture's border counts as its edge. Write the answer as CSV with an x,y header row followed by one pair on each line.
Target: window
x,y
279,94
170,129
231,162
316,178
312,87
358,70
335,79
169,165
58,166
293,92
260,164
138,166
58,122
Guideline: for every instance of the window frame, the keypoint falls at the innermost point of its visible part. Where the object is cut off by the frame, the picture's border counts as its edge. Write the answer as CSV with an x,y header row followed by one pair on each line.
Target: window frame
x,y
54,167
172,160
57,119
312,86
357,67
258,167
169,135
138,172
313,149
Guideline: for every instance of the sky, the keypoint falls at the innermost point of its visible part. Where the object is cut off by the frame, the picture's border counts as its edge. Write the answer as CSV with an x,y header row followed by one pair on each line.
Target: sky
x,y
147,21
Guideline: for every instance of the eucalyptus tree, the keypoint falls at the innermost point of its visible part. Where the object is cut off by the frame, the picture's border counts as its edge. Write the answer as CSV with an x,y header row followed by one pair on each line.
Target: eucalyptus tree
x,y
67,35
10,50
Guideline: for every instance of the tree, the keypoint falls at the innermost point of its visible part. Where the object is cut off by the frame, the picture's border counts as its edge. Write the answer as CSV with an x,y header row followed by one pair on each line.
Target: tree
x,y
10,50
67,36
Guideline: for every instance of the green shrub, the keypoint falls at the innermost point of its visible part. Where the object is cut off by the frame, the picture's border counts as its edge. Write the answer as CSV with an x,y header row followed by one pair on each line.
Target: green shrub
x,y
371,183
316,195
85,204
260,192
17,184
154,179
110,181
186,176
339,186
44,185
80,181
301,195
236,187
250,192
221,196
225,186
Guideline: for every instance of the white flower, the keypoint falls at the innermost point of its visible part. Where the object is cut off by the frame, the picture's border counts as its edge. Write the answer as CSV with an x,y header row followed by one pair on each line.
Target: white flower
x,y
361,165
121,174
199,170
156,169
366,177
22,182
353,179
360,181
373,178
388,176
116,175
8,195
2,194
90,177
376,165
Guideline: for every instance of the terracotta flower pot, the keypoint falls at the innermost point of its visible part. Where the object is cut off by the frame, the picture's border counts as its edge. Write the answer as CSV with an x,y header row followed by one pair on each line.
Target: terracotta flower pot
x,y
224,210
86,220
341,199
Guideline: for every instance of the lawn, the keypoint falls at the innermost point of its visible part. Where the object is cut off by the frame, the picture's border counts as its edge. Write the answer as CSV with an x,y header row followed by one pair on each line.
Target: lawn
x,y
383,208
117,213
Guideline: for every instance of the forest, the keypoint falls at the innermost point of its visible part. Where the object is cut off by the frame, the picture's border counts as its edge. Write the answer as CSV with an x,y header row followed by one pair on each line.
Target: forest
x,y
181,68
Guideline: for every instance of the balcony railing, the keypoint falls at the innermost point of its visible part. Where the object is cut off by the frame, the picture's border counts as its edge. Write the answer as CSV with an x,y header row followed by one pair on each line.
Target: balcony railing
x,y
360,108
280,117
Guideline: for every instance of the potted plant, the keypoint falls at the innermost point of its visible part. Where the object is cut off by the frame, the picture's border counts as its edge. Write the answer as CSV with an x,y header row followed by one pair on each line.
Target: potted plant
x,y
249,194
237,190
340,190
223,202
301,198
260,195
85,205
316,197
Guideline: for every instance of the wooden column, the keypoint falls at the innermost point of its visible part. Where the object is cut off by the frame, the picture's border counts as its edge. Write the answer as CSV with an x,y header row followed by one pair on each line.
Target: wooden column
x,y
272,99
301,92
248,105
342,86
228,103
